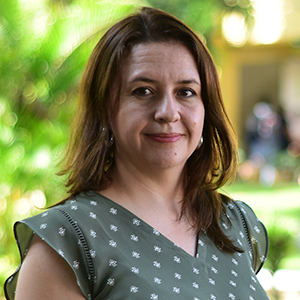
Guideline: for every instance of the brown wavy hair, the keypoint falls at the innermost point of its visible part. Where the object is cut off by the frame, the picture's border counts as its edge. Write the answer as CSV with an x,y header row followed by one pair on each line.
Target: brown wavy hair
x,y
89,154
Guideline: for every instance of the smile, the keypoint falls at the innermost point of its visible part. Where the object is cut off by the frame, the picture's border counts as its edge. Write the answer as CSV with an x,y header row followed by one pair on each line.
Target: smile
x,y
165,137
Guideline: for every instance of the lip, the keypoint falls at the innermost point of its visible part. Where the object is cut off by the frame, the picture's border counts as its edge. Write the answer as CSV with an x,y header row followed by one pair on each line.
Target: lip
x,y
165,137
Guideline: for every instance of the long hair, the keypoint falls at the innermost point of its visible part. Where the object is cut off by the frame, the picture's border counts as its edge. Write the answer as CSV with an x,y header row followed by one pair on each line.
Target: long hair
x,y
89,154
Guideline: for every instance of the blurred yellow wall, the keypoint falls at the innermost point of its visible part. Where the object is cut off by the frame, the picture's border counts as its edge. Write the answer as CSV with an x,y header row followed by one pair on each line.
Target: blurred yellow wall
x,y
252,72
234,63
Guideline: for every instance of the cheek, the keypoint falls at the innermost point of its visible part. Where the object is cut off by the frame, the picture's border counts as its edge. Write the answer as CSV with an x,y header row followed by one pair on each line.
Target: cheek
x,y
196,118
127,123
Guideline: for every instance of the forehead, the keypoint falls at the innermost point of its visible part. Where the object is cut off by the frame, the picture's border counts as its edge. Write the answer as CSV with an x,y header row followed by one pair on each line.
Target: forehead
x,y
171,57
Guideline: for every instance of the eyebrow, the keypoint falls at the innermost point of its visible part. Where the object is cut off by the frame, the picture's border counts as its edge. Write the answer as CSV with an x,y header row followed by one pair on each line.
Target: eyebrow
x,y
146,79
188,81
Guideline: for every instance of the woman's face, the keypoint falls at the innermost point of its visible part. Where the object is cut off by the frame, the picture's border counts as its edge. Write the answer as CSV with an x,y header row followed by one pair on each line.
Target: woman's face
x,y
160,117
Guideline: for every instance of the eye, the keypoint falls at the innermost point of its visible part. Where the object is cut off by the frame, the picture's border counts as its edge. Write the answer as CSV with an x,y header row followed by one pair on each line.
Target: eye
x,y
186,93
142,91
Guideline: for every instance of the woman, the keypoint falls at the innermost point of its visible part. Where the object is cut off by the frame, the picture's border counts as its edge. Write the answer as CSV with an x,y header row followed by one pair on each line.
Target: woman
x,y
151,145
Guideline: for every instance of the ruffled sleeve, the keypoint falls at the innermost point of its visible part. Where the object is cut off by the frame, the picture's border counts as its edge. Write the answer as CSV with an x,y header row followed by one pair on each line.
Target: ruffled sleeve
x,y
57,228
256,234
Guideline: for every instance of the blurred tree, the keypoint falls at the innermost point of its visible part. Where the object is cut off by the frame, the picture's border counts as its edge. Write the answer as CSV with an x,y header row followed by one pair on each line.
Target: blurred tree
x,y
44,46
205,16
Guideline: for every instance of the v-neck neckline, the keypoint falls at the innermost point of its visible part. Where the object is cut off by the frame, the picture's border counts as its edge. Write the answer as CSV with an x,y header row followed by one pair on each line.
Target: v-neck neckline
x,y
150,228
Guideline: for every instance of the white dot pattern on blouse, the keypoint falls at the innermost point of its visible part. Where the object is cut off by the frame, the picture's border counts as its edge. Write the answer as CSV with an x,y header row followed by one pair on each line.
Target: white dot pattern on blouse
x,y
132,260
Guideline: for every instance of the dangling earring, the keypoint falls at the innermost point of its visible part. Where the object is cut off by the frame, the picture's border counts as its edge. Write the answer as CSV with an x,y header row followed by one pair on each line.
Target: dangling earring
x,y
200,143
111,139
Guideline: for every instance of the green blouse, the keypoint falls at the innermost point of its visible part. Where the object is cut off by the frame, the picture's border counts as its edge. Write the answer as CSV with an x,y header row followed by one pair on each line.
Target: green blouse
x,y
115,255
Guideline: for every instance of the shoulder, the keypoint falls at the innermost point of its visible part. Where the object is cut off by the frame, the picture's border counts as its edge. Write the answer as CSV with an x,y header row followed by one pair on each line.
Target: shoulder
x,y
245,220
64,229
72,213
68,228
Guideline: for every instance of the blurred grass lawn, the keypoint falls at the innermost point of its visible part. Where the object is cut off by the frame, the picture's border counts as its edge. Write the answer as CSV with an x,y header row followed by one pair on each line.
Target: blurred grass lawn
x,y
280,197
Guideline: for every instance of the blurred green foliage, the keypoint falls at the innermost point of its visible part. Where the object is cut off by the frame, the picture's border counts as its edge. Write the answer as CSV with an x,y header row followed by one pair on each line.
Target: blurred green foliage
x,y
281,241
44,46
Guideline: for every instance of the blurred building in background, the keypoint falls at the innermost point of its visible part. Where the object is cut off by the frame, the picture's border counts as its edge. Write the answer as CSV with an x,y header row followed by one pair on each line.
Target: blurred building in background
x,y
261,63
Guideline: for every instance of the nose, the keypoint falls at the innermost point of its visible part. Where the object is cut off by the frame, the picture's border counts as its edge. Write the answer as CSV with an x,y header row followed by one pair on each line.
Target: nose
x,y
167,109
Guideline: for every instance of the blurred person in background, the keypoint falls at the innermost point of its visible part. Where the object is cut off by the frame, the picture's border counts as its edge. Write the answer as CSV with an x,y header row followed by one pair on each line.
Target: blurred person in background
x,y
151,144
266,136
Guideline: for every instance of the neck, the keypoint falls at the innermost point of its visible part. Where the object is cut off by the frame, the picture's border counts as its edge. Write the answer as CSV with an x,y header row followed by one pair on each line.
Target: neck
x,y
136,188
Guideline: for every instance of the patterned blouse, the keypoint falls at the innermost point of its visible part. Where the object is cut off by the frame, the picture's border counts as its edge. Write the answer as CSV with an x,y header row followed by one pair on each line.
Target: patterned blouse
x,y
115,255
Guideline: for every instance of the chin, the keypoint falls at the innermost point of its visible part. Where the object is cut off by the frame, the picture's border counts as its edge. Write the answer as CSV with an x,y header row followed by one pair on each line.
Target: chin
x,y
167,163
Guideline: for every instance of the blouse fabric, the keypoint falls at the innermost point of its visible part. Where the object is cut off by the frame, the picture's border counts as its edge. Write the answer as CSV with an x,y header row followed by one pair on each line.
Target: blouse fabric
x,y
115,255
